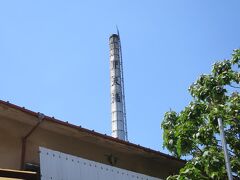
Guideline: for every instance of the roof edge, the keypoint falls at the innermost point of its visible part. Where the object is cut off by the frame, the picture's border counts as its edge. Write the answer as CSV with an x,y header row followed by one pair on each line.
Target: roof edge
x,y
51,119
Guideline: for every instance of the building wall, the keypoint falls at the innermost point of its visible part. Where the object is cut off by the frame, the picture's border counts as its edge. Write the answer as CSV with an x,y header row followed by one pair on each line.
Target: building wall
x,y
10,149
15,125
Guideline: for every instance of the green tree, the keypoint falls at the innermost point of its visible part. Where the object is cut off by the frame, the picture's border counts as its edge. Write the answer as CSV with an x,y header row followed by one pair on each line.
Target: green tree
x,y
194,132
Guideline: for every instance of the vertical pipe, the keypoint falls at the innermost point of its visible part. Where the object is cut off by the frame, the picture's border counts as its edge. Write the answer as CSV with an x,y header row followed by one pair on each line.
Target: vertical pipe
x,y
224,145
24,139
118,129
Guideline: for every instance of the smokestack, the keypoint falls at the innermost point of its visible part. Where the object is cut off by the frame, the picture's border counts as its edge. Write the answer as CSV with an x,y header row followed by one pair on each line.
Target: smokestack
x,y
118,110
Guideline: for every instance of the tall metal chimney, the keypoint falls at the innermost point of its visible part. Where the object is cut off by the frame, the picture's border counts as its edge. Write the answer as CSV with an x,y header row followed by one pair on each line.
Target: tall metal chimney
x,y
118,109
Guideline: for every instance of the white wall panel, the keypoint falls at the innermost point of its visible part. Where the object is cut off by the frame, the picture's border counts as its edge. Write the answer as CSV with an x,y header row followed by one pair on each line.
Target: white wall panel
x,y
60,166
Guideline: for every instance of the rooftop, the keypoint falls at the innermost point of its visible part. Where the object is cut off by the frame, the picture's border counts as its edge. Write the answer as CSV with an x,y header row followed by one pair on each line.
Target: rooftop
x,y
90,132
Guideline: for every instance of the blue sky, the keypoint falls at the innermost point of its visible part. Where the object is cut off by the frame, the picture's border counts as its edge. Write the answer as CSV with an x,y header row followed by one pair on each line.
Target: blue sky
x,y
54,57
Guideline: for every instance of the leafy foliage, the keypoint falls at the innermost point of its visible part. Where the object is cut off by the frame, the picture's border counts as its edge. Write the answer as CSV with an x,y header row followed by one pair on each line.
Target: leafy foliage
x,y
194,131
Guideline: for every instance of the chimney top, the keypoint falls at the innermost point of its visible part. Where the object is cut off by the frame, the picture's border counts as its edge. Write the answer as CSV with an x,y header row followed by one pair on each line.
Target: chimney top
x,y
114,35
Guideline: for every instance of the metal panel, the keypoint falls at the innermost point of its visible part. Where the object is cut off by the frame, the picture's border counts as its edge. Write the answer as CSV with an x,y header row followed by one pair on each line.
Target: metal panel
x,y
56,165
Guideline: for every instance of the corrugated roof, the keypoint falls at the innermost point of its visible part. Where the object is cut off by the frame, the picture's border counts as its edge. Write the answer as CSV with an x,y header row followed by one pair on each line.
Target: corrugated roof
x,y
53,120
